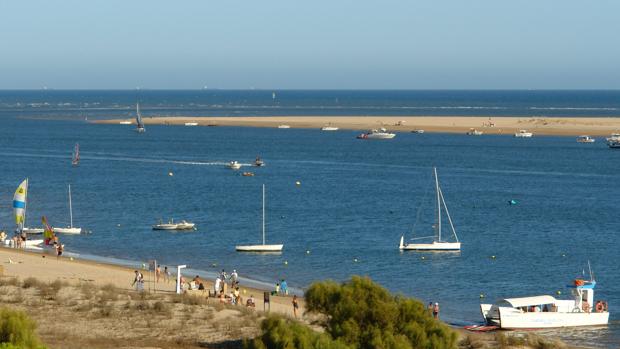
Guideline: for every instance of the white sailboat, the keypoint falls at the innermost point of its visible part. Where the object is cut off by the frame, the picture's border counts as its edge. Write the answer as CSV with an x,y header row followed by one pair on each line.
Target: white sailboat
x,y
438,244
75,158
70,229
264,247
140,125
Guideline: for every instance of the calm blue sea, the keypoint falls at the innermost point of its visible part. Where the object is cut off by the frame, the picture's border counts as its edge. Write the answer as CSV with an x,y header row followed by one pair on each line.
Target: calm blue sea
x,y
355,200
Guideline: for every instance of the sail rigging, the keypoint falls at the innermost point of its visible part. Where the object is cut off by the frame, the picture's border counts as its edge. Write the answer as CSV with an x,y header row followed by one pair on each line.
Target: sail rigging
x,y
19,204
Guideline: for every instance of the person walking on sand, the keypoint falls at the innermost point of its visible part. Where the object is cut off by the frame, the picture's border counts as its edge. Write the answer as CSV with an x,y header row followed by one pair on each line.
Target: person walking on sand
x,y
138,281
284,287
295,306
436,311
157,273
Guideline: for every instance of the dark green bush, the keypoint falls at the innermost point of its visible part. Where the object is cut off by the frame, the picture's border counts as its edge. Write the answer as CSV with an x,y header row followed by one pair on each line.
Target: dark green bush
x,y
17,328
364,315
285,334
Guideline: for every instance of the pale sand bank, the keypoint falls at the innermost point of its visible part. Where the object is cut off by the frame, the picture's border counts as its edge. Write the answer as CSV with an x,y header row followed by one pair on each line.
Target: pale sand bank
x,y
594,126
45,267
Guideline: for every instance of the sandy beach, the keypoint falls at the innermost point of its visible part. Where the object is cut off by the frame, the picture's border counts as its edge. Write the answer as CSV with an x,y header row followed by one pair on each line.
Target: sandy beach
x,y
594,126
48,268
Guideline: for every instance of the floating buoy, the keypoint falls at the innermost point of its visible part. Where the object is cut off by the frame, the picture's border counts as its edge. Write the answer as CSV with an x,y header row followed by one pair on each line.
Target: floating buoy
x,y
307,251
170,174
285,262
214,264
558,292
355,260
492,257
481,295
423,257
563,255
298,183
512,202
118,225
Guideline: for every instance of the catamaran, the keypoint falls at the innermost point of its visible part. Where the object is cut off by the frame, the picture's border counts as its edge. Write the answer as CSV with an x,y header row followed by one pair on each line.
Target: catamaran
x,y
438,244
19,208
264,247
70,229
140,125
75,158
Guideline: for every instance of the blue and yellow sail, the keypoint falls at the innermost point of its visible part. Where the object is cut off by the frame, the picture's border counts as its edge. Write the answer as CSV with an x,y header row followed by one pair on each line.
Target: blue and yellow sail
x,y
19,203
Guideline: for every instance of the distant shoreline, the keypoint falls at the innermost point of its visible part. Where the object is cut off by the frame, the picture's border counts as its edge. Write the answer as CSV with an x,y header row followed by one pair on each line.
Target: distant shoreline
x,y
559,126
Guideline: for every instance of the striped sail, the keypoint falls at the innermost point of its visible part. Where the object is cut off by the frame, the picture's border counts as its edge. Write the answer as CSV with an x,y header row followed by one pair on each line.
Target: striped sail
x,y
19,203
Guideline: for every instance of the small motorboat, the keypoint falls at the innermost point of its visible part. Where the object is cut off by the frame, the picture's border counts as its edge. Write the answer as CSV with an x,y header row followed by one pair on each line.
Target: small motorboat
x,y
585,139
248,174
234,165
523,134
382,133
259,162
329,127
417,131
614,144
171,225
284,126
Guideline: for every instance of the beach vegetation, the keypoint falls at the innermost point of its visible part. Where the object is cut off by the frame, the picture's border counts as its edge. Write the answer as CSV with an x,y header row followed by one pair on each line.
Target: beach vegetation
x,y
281,333
18,330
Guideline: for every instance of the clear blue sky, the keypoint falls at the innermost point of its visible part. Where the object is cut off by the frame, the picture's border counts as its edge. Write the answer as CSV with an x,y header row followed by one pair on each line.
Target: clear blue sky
x,y
389,44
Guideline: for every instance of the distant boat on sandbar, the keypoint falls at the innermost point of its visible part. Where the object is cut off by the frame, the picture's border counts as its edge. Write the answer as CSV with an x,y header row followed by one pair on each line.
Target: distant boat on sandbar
x,y
382,133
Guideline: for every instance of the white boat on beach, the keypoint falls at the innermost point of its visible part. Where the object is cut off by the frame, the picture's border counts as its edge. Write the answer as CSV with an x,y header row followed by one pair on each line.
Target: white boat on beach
x,y
474,132
284,126
125,122
139,124
523,134
171,225
548,312
263,247
417,131
191,124
382,133
70,229
613,137
585,139
438,244
234,165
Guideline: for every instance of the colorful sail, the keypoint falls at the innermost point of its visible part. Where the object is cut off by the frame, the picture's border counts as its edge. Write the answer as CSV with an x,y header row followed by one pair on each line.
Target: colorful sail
x,y
75,160
19,203
48,232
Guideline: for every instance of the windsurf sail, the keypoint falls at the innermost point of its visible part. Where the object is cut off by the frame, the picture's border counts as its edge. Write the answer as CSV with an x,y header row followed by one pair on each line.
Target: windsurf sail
x,y
19,204
75,159
139,116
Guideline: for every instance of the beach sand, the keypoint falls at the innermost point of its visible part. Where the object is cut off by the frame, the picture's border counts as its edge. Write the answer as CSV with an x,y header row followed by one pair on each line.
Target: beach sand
x,y
594,126
48,268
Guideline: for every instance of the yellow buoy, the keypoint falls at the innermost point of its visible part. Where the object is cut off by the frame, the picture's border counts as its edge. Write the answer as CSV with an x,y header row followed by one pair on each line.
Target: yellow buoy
x,y
559,292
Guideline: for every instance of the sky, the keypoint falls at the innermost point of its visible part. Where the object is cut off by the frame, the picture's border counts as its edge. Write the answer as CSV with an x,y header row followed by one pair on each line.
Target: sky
x,y
318,44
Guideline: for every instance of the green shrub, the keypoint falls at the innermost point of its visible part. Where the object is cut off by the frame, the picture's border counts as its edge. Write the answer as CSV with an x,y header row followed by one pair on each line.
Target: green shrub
x,y
17,328
285,334
364,315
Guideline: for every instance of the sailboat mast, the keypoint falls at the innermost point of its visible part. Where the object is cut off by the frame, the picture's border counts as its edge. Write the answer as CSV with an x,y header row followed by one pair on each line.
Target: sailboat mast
x,y
70,209
438,204
263,214
443,201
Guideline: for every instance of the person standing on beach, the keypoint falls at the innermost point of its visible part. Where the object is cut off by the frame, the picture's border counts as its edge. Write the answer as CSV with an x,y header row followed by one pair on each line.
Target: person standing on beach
x,y
157,273
233,278
166,274
284,287
295,306
217,285
436,311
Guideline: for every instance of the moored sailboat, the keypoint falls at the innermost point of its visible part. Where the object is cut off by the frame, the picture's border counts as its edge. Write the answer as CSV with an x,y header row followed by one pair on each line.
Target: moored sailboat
x,y
263,247
75,158
438,244
70,229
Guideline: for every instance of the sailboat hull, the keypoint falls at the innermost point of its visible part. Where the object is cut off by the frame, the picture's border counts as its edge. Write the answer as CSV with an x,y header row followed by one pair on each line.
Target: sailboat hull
x,y
259,248
435,246
68,230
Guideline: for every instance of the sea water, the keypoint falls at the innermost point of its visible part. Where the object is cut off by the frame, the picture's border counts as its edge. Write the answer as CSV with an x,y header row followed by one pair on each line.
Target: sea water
x,y
354,200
